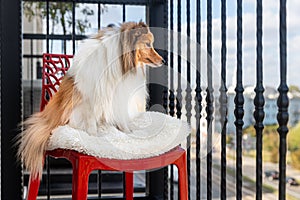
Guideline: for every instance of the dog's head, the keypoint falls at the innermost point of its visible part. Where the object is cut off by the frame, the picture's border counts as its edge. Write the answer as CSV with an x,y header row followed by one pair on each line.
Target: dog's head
x,y
137,47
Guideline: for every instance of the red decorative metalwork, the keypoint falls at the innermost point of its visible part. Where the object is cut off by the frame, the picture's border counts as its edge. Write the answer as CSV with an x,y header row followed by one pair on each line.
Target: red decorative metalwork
x,y
55,67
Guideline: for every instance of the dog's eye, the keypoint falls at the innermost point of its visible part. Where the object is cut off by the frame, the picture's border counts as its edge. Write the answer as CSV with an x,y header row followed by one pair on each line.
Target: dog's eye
x,y
148,45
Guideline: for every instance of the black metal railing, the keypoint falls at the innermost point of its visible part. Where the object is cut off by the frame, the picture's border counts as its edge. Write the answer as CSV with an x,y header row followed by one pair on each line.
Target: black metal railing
x,y
184,70
239,102
259,101
223,101
282,102
191,95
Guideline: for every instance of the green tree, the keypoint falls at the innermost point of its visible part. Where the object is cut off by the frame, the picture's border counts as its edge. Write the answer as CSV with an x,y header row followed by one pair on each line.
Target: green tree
x,y
294,145
60,13
271,146
294,88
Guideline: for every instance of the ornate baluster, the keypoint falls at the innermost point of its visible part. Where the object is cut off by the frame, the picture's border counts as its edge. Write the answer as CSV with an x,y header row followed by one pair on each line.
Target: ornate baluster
x,y
223,101
209,100
239,104
259,101
198,100
171,91
188,97
165,91
179,90
282,103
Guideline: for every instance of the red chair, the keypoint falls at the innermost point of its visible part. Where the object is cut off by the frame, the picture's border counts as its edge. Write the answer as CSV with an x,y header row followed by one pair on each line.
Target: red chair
x,y
54,68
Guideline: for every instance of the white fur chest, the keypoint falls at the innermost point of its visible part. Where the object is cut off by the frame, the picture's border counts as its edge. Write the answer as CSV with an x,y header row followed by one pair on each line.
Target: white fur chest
x,y
130,94
108,96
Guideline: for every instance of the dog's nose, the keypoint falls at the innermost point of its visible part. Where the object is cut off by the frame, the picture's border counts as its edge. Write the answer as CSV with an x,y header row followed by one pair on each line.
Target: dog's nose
x,y
164,62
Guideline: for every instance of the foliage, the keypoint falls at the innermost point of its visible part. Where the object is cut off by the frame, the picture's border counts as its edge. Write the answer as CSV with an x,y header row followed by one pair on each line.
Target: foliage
x,y
294,138
267,130
270,141
271,145
249,130
294,88
59,13
229,139
295,158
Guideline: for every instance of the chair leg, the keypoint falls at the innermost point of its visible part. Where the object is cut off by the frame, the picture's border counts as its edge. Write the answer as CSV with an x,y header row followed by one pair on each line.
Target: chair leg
x,y
80,181
182,175
33,188
129,185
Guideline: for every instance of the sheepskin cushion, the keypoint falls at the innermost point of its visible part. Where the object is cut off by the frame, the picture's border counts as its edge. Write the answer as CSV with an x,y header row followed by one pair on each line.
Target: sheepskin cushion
x,y
151,134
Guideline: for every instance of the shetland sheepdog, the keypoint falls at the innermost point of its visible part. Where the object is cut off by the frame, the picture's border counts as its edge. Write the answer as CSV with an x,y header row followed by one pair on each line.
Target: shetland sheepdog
x,y
104,86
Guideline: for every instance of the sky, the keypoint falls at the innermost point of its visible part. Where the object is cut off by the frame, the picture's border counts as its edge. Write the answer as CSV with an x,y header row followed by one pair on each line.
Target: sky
x,y
270,36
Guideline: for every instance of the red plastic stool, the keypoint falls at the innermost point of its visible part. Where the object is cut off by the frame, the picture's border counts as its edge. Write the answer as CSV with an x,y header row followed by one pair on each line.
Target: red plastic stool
x,y
54,68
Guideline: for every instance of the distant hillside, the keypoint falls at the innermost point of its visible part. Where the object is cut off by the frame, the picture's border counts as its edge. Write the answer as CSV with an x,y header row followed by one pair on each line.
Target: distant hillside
x,y
294,145
294,138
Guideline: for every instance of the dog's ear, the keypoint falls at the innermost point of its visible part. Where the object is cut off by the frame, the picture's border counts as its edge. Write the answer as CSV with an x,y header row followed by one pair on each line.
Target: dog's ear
x,y
128,51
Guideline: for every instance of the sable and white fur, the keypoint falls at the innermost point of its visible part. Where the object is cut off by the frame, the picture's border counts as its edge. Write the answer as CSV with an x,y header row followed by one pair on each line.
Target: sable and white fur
x,y
104,86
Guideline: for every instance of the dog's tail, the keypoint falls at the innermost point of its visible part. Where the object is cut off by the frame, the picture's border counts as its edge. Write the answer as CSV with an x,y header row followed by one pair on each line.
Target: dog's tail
x,y
33,143
37,129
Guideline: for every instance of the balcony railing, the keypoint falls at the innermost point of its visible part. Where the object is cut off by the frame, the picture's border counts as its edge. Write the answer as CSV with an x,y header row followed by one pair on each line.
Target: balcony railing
x,y
188,91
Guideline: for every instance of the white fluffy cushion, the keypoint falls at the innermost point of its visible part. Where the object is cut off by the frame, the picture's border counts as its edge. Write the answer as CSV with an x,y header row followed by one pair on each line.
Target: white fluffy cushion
x,y
152,134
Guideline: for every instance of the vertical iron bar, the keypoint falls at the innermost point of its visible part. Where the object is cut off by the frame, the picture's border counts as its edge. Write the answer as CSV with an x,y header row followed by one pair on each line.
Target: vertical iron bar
x,y
259,100
99,179
124,13
73,28
209,100
282,103
11,96
166,183
188,97
99,16
223,100
99,174
158,92
171,97
239,103
47,46
124,184
47,26
31,77
1,102
165,92
179,90
198,99
123,20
